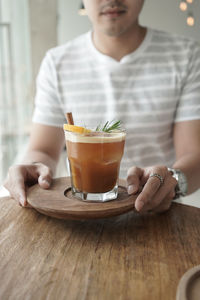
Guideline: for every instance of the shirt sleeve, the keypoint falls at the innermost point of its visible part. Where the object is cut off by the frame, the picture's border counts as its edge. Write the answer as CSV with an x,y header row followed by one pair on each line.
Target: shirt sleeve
x,y
48,107
189,103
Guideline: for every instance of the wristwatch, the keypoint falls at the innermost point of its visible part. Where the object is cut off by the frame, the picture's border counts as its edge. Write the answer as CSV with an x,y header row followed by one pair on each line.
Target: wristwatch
x,y
182,184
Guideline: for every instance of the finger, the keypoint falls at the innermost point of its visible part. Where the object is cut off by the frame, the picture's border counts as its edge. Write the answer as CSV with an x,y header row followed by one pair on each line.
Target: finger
x,y
133,179
45,176
144,198
167,190
20,193
150,188
165,204
15,185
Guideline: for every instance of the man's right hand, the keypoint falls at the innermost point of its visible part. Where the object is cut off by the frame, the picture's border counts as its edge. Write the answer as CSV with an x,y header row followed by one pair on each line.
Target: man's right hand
x,y
22,176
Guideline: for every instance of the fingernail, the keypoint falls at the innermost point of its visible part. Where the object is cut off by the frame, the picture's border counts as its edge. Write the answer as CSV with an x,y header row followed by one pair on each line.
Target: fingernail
x,y
131,189
44,183
43,180
139,205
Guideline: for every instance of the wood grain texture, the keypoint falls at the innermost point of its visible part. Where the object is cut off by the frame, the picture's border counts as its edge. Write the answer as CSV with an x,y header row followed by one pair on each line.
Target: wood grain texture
x,y
53,202
125,257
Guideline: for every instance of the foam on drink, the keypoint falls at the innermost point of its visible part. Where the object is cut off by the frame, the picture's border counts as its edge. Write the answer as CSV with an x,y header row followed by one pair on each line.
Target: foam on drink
x,y
95,137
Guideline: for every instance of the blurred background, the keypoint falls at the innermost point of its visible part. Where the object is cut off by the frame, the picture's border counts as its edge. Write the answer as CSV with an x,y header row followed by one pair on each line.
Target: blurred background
x,y
28,28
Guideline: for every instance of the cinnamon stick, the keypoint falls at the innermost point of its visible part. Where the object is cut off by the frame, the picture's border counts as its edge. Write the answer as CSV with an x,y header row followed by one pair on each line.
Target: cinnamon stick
x,y
69,118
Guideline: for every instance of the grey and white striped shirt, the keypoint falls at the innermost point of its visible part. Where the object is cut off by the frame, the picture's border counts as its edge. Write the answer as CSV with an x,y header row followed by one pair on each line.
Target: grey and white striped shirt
x,y
148,90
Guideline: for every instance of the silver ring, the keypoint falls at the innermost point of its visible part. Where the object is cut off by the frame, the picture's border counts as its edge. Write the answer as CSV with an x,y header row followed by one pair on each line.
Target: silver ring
x,y
158,176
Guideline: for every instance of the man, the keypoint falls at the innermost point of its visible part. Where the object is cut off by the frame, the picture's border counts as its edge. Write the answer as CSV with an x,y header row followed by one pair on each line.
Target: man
x,y
148,79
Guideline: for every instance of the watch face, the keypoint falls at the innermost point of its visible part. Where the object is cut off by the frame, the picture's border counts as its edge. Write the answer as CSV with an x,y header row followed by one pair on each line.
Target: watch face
x,y
182,183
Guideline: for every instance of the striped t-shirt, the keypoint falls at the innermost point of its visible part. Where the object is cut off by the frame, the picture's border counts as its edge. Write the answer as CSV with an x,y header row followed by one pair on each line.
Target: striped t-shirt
x,y
148,90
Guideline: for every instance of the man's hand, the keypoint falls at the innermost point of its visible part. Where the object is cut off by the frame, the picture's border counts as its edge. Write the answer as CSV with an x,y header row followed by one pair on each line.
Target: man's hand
x,y
153,194
22,176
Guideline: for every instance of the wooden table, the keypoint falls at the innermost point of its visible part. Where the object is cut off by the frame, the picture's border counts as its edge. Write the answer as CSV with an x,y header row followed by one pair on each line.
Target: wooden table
x,y
125,257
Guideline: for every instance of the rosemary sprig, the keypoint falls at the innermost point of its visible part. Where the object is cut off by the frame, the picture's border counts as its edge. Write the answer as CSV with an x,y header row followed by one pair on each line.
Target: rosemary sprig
x,y
109,126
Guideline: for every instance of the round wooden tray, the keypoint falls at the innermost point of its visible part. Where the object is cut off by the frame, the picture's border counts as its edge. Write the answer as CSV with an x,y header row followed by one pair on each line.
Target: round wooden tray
x,y
189,285
59,202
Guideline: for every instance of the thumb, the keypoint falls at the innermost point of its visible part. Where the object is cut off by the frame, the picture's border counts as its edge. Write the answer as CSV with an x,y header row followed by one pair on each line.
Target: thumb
x,y
45,176
133,180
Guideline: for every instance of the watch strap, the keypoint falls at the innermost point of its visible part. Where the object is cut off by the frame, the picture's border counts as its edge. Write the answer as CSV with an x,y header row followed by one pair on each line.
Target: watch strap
x,y
181,187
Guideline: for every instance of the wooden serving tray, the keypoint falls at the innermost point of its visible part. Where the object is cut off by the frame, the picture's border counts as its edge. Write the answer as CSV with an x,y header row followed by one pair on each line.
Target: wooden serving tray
x,y
59,202
189,285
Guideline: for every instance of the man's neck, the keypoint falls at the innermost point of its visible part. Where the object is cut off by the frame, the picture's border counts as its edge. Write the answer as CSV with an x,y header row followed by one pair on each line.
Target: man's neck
x,y
118,47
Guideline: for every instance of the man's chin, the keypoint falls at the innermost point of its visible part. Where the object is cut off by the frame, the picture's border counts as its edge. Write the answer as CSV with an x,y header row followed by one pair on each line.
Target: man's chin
x,y
113,32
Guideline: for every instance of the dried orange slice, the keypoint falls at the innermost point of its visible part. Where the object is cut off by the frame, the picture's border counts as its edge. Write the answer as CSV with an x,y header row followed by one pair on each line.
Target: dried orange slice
x,y
75,128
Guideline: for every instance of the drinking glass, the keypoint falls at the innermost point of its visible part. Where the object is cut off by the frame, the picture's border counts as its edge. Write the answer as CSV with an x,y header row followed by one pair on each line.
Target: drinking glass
x,y
94,160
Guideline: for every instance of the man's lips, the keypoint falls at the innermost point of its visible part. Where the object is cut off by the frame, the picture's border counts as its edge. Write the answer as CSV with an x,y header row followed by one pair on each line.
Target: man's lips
x,y
113,12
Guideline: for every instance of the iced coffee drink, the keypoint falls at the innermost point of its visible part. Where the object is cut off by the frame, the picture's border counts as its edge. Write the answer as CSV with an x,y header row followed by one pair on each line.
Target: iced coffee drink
x,y
94,159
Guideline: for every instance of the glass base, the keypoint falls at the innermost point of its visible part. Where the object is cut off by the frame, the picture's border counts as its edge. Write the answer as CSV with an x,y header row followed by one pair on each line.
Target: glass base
x,y
96,197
